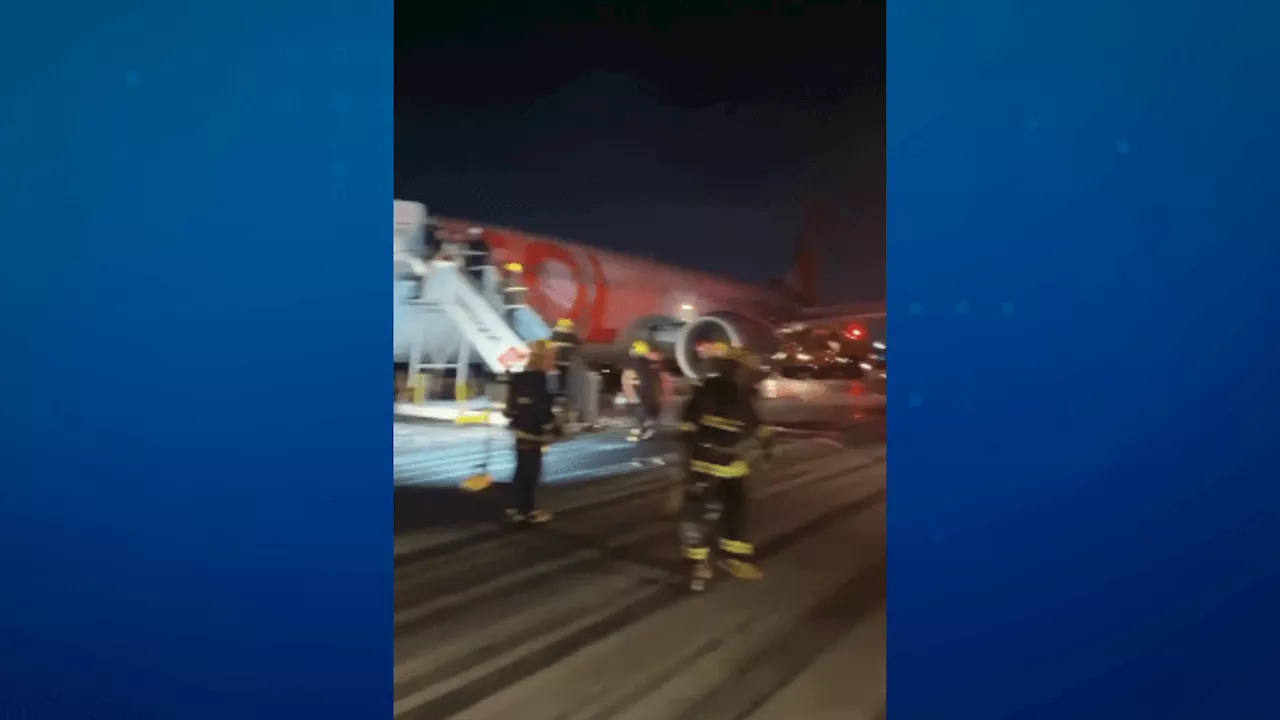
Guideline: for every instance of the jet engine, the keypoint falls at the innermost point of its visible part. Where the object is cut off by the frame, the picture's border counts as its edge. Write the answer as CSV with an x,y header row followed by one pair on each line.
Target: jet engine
x,y
719,327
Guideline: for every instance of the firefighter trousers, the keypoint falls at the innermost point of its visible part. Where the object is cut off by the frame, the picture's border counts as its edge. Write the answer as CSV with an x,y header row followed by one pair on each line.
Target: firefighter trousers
x,y
715,514
527,475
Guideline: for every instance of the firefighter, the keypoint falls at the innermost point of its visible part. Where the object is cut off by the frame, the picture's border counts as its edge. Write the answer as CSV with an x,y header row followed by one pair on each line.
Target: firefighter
x,y
530,410
513,290
719,425
476,256
642,383
432,239
565,344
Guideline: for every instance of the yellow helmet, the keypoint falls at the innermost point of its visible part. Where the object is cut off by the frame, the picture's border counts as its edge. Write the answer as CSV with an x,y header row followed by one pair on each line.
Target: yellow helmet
x,y
564,325
639,347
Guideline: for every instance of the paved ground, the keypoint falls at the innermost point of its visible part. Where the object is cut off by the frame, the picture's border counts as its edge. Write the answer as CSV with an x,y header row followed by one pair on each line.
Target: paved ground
x,y
588,618
432,453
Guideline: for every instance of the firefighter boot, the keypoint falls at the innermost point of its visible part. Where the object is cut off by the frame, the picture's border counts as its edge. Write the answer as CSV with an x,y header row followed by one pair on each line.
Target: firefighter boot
x,y
537,517
741,569
701,576
736,564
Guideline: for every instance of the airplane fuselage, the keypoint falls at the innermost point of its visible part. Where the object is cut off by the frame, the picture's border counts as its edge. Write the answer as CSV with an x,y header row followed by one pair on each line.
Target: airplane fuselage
x,y
612,297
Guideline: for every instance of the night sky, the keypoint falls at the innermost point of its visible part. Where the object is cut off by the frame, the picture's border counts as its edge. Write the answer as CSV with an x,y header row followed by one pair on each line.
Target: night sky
x,y
696,136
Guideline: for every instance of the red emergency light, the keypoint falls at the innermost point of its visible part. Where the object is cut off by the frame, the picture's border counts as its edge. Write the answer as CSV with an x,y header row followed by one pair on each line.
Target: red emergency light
x,y
854,331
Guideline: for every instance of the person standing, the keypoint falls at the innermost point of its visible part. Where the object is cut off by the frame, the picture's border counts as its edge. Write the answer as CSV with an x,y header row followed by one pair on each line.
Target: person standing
x,y
719,422
644,378
476,257
565,343
431,240
531,411
513,291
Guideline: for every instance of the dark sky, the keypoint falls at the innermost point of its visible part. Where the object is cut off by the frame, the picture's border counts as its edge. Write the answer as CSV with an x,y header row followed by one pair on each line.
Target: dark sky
x,y
695,135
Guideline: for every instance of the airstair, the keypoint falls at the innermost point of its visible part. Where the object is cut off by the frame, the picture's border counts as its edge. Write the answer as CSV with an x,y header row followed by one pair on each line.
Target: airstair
x,y
479,325
449,315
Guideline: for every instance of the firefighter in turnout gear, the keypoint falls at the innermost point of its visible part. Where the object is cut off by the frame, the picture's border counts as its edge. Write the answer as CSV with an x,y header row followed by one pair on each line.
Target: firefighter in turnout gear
x,y
531,412
476,256
513,290
720,427
565,344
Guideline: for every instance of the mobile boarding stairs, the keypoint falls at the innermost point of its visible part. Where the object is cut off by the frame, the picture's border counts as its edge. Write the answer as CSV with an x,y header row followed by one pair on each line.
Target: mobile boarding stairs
x,y
449,316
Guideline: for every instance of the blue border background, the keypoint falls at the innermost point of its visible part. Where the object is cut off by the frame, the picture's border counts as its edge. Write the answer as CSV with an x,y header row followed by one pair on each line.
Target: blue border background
x,y
196,512
196,515
1083,261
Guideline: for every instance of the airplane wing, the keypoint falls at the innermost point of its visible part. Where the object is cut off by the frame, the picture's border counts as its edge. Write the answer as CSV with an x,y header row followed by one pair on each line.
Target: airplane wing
x,y
857,321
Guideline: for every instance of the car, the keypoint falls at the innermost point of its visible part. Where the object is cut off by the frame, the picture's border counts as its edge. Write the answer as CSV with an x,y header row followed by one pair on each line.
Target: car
x,y
872,366
818,353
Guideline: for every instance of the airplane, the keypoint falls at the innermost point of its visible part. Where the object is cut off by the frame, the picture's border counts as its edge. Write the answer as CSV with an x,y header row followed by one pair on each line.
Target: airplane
x,y
614,298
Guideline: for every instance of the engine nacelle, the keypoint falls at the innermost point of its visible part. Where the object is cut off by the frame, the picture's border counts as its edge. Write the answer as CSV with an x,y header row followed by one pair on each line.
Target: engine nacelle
x,y
719,327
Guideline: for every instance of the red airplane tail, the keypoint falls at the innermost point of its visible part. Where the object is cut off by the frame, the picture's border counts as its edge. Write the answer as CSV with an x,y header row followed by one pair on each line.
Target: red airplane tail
x,y
804,280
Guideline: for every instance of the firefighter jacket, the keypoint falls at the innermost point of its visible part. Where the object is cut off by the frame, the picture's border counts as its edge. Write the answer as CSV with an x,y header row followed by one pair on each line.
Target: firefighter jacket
x,y
720,425
566,344
530,407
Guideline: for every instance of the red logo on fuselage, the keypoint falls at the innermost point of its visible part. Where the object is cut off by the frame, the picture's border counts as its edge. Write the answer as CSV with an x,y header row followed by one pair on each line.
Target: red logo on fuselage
x,y
511,357
588,304
590,291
